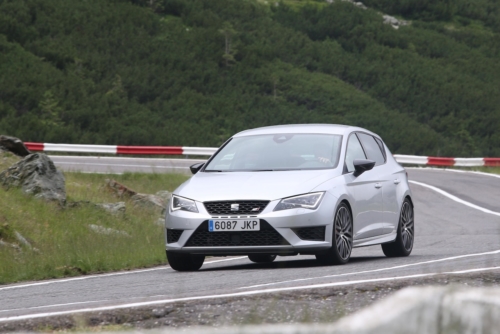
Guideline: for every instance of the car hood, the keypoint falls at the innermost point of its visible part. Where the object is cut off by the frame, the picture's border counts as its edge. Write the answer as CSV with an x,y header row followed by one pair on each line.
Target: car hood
x,y
252,185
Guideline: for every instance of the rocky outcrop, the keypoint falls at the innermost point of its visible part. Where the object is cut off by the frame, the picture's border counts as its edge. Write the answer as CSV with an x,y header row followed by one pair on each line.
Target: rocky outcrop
x,y
114,208
14,145
107,231
36,175
356,3
394,22
157,201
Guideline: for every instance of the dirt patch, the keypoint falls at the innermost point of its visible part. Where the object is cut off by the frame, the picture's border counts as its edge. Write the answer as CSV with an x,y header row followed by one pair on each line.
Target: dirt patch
x,y
324,305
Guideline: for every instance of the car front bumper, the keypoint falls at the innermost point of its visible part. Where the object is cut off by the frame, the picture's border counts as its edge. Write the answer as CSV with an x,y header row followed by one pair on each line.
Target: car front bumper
x,y
286,223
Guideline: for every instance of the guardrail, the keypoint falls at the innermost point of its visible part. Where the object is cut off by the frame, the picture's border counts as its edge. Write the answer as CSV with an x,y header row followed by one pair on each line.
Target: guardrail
x,y
119,149
187,150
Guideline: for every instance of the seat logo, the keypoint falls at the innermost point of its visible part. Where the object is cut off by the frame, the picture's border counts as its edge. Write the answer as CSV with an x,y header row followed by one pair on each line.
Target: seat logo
x,y
235,207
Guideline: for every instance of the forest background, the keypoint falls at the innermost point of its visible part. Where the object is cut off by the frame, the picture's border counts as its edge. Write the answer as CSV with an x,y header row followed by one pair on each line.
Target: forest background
x,y
193,72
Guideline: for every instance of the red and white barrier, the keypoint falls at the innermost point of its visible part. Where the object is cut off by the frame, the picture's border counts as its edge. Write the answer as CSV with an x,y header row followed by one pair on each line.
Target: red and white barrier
x,y
186,150
118,149
440,161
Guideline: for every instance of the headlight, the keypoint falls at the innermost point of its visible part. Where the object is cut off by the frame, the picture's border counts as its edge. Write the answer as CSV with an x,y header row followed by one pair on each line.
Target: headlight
x,y
181,203
308,201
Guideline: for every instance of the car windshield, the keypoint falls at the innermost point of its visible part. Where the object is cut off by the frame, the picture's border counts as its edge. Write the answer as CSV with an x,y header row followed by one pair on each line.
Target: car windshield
x,y
277,152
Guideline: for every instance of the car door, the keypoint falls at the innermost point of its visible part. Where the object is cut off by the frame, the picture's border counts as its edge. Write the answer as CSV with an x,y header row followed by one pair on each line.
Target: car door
x,y
385,178
367,201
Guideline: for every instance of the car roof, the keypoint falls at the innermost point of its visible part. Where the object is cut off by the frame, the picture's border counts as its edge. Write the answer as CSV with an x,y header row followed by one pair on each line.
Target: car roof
x,y
337,129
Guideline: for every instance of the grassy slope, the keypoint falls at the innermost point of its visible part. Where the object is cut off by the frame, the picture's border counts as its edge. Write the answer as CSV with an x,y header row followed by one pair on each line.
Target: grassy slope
x,y
66,245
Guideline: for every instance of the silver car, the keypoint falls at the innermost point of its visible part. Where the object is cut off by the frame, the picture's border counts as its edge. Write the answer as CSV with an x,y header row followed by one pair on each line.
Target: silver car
x,y
313,189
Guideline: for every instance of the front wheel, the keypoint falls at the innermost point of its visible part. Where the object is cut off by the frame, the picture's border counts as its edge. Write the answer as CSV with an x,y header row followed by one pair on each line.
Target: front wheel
x,y
403,244
340,252
261,258
185,262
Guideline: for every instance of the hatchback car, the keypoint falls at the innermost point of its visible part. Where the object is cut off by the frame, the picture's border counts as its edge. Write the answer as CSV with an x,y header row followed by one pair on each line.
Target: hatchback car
x,y
311,189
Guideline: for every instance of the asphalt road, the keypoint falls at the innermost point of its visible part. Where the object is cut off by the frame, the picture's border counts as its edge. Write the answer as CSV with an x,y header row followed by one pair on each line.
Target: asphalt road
x,y
118,165
450,237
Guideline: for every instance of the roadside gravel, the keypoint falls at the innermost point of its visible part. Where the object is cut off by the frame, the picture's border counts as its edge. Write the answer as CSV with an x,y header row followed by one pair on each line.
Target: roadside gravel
x,y
323,305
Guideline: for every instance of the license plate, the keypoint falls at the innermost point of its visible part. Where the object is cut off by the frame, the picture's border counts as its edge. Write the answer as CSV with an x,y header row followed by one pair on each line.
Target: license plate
x,y
233,225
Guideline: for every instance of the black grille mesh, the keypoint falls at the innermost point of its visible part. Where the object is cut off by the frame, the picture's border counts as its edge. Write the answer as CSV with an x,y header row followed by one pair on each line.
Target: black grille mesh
x,y
267,236
316,233
173,235
245,207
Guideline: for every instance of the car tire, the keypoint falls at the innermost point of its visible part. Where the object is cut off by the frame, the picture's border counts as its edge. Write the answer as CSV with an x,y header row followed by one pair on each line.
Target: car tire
x,y
341,249
185,262
261,258
403,244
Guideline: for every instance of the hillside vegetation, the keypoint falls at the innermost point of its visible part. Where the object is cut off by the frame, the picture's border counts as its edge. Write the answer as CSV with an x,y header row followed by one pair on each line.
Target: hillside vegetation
x,y
193,72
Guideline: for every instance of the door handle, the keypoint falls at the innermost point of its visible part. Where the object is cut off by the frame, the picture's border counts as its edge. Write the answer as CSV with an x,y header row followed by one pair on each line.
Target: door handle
x,y
396,181
378,185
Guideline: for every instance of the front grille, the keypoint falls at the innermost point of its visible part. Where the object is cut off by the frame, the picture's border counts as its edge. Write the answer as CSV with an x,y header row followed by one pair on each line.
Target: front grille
x,y
316,233
173,235
267,236
245,207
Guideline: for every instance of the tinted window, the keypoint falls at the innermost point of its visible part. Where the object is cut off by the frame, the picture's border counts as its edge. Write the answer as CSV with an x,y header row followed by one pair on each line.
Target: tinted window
x,y
286,151
372,149
381,144
354,152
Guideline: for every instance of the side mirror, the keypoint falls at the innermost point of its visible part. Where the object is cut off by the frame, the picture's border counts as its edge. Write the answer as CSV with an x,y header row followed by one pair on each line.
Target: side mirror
x,y
361,166
196,167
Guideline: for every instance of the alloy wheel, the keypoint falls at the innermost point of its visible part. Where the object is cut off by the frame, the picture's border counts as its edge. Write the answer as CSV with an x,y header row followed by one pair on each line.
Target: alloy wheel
x,y
343,232
407,226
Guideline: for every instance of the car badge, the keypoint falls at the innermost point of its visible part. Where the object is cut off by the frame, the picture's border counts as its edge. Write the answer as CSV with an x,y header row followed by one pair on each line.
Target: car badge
x,y
255,209
235,207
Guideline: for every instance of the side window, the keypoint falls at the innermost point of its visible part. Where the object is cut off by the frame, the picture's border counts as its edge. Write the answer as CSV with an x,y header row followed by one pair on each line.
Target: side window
x,y
354,152
372,148
382,148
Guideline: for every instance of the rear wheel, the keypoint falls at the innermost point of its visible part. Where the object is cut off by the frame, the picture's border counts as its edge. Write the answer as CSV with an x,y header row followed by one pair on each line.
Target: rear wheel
x,y
403,244
261,258
185,262
340,252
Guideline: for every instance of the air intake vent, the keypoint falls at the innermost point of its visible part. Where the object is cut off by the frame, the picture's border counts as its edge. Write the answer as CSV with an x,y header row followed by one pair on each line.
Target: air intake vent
x,y
316,233
173,235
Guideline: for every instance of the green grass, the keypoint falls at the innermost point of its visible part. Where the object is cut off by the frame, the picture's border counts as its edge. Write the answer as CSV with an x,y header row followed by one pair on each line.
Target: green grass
x,y
66,246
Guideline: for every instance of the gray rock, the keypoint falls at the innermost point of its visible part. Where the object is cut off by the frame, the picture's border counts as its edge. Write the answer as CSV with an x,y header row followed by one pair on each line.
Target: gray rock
x,y
147,200
164,194
160,221
22,240
394,22
113,208
119,189
14,145
37,175
107,231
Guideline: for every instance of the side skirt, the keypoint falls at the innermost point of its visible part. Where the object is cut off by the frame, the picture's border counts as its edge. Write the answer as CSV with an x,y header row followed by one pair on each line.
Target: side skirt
x,y
379,239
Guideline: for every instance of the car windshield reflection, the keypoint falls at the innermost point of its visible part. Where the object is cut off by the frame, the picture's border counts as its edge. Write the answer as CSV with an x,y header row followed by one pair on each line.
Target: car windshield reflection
x,y
277,152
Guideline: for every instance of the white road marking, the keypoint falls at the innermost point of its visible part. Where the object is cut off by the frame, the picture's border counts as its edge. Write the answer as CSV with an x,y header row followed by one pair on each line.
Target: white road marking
x,y
455,198
55,305
374,270
229,295
64,280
